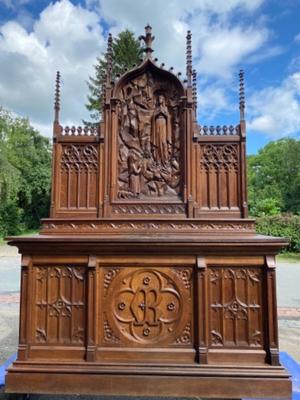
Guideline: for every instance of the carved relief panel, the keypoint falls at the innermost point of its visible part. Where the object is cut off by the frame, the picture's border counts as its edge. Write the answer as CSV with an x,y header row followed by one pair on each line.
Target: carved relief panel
x,y
60,305
146,306
148,137
78,176
235,301
219,177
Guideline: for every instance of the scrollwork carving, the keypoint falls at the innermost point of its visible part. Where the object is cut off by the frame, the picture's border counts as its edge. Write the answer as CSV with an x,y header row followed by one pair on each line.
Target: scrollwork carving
x,y
109,275
109,335
216,338
185,275
186,336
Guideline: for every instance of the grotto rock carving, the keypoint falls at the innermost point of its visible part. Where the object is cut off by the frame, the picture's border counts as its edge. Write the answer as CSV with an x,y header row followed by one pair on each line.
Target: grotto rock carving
x,y
148,139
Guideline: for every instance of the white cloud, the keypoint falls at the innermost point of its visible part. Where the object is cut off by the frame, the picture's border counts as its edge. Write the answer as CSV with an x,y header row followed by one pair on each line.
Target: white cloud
x,y
217,47
224,48
13,4
275,111
213,99
297,38
66,38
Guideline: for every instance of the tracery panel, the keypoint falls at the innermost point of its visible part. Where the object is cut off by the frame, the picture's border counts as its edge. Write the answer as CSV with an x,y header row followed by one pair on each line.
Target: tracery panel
x,y
78,177
235,307
219,177
60,305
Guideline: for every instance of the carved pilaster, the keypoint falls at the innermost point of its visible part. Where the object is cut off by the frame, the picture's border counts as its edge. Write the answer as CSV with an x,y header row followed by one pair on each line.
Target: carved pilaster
x,y
91,310
201,315
271,312
24,308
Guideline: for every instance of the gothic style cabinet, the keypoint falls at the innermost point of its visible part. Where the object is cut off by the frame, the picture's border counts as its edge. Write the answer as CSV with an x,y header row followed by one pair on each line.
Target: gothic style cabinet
x,y
148,278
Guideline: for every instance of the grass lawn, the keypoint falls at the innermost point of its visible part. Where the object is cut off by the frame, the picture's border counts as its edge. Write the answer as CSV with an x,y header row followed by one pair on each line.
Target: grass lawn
x,y
29,232
290,257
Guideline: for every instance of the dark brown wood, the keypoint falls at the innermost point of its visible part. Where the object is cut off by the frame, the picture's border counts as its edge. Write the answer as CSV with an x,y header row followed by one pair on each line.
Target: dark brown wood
x,y
148,278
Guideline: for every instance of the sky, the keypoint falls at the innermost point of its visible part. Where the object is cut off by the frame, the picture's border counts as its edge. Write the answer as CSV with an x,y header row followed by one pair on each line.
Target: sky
x,y
37,38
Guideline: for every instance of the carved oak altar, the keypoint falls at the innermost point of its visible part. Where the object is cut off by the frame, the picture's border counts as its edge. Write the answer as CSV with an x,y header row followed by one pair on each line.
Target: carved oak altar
x,y
148,278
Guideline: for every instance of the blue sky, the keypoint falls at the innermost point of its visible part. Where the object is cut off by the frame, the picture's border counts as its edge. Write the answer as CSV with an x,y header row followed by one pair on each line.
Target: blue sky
x,y
261,36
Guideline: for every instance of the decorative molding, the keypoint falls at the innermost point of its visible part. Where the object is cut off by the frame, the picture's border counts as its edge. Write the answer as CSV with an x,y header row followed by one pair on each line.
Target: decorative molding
x,y
149,209
119,226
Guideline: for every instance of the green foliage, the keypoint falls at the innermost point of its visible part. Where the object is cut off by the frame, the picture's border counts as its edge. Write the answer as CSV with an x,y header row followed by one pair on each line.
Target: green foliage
x,y
25,170
287,226
274,178
126,51
11,218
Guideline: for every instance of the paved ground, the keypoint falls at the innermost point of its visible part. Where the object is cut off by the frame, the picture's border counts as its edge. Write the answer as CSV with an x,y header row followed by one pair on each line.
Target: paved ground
x,y
288,296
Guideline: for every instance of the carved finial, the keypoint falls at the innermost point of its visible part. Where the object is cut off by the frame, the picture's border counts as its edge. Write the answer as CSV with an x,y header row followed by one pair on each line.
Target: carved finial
x,y
189,66
148,39
109,59
162,65
194,90
57,97
242,96
171,69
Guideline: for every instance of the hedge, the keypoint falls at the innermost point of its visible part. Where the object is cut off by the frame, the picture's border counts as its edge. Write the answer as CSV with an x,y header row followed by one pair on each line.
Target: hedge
x,y
287,226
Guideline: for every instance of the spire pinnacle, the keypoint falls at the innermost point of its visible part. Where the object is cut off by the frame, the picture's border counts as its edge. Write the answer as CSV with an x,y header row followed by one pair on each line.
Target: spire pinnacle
x,y
194,90
57,97
109,59
189,67
148,39
242,95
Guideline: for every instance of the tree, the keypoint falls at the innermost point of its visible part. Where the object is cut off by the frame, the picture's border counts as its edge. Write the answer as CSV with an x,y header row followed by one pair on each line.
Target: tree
x,y
126,51
25,171
274,178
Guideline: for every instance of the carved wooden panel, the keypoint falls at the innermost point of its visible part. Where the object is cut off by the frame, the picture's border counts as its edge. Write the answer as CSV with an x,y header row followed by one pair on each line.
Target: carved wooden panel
x,y
60,304
219,177
78,176
149,138
147,306
235,301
